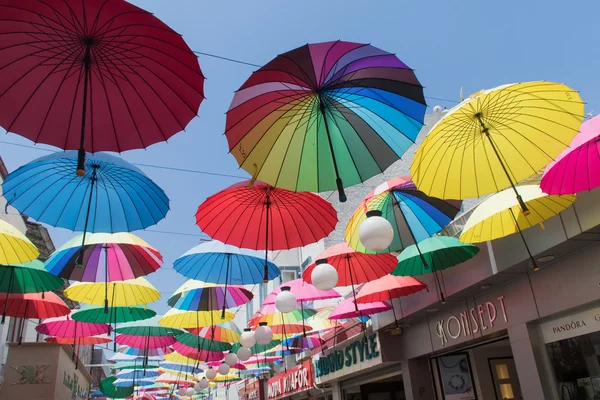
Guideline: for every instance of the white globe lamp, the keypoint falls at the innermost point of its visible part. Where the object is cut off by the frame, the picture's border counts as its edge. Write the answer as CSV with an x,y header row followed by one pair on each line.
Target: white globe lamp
x,y
203,384
223,369
263,334
244,354
190,392
285,301
324,276
181,391
247,338
231,359
197,387
211,373
375,233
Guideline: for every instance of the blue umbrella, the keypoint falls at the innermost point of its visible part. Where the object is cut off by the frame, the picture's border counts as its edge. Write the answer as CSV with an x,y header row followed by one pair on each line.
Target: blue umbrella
x,y
112,196
220,263
181,368
132,382
137,374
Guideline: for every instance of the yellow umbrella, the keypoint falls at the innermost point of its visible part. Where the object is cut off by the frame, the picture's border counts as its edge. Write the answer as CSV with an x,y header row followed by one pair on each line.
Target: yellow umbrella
x,y
175,318
132,292
496,138
501,215
15,248
176,357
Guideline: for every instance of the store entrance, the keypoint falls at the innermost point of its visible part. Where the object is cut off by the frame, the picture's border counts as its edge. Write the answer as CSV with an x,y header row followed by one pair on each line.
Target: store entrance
x,y
479,372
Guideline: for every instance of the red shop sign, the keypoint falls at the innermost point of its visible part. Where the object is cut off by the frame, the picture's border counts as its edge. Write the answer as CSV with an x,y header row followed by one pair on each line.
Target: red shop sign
x,y
295,380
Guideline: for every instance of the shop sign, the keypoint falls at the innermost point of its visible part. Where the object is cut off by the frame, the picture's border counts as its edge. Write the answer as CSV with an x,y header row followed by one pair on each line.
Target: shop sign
x,y
573,325
250,391
353,354
294,380
477,319
72,382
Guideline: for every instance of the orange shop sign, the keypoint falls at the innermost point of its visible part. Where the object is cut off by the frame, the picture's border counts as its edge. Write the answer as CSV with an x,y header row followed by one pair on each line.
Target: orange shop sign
x,y
295,380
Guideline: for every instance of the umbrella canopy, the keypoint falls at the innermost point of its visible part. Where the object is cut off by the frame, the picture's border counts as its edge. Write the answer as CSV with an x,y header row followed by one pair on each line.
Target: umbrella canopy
x,y
197,355
151,353
257,348
279,331
270,315
237,366
348,309
137,374
575,169
173,379
34,305
193,319
108,387
303,291
200,296
413,215
439,253
128,293
303,342
148,327
387,288
67,327
106,257
210,261
353,267
199,343
500,215
321,106
225,332
485,144
103,75
96,314
117,195
171,367
16,247
88,340
144,342
179,358
137,382
319,323
30,277
281,219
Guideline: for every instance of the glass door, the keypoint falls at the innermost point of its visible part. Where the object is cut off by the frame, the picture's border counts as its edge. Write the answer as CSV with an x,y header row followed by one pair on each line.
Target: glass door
x,y
506,381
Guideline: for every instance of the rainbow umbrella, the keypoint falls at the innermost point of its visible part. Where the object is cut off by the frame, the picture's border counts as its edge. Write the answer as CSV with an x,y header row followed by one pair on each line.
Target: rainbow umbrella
x,y
16,247
104,258
304,342
321,106
200,296
225,332
30,277
133,292
279,331
350,309
575,169
269,314
413,215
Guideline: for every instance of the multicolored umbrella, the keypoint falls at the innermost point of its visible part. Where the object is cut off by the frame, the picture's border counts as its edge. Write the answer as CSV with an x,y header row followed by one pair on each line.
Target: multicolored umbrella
x,y
281,219
108,387
105,257
128,293
16,247
325,116
112,196
81,341
303,291
269,314
225,332
211,261
303,342
413,215
285,330
486,144
104,75
350,309
200,296
575,169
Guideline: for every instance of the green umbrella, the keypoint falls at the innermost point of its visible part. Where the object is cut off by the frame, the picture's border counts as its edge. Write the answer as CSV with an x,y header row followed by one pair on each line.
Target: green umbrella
x,y
111,391
96,314
257,348
434,254
126,365
30,277
201,343
148,327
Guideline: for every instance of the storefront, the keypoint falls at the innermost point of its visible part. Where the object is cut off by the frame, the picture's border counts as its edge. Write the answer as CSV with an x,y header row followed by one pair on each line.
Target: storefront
x,y
43,371
362,368
250,390
293,383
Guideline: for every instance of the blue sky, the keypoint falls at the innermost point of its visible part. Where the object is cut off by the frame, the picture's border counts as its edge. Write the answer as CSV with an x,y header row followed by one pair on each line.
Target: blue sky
x,y
472,44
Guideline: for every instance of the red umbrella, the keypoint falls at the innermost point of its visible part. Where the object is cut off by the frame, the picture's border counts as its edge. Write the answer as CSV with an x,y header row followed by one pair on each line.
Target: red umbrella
x,y
350,309
255,215
100,75
33,305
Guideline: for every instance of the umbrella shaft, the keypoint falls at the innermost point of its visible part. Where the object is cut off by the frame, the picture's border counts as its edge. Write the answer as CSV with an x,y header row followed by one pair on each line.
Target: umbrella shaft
x,y
266,269
7,294
86,77
338,180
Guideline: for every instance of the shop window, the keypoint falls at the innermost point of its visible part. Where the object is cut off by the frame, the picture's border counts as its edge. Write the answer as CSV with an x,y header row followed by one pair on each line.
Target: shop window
x,y
502,371
506,391
576,365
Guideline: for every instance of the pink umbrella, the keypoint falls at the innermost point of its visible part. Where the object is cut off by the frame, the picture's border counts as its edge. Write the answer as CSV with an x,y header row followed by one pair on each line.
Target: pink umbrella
x,y
191,352
347,309
303,291
576,168
145,342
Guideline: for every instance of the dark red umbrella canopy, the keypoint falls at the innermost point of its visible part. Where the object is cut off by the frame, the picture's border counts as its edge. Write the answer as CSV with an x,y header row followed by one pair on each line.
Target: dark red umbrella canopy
x,y
144,85
238,216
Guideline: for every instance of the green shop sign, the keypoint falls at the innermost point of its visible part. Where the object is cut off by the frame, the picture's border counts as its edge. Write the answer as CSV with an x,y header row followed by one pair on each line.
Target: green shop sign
x,y
355,352
72,382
